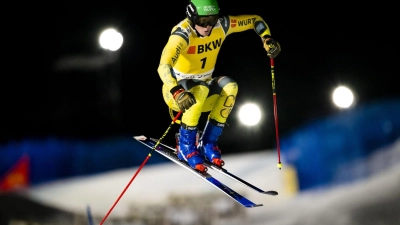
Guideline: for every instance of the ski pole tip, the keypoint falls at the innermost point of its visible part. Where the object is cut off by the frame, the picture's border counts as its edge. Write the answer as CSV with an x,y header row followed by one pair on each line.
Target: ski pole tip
x,y
279,165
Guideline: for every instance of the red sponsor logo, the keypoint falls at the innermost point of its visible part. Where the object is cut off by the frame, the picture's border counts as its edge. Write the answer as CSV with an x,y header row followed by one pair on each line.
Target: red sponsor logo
x,y
205,47
233,23
191,50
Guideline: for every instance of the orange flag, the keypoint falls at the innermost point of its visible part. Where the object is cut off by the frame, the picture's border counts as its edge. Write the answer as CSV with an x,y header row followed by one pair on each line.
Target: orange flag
x,y
17,176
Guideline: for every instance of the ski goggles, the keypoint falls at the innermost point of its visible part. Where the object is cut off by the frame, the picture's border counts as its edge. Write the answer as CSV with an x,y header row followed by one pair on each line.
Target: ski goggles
x,y
204,21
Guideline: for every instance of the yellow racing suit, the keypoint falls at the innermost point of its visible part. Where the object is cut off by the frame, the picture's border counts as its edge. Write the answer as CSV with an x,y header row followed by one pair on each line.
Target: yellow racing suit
x,y
188,59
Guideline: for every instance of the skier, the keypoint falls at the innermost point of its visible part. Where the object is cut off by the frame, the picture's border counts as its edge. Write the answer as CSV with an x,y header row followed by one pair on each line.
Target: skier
x,y
186,70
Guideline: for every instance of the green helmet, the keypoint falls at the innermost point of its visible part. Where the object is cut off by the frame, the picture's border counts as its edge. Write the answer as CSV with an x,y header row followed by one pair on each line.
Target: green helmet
x,y
203,9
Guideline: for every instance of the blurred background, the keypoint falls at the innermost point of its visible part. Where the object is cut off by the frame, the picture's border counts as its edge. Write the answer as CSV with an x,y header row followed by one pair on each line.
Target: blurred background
x,y
338,104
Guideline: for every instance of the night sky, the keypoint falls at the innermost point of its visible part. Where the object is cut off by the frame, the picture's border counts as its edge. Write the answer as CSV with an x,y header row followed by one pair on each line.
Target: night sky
x,y
323,45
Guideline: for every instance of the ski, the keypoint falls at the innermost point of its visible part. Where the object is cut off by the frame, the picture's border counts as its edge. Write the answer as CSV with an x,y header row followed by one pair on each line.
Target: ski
x,y
225,172
204,176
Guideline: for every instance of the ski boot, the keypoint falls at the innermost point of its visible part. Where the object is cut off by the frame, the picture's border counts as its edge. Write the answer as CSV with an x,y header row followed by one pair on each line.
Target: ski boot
x,y
187,149
208,143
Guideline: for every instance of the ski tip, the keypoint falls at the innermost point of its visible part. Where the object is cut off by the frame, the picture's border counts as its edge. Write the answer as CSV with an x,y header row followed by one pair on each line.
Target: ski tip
x,y
271,192
254,205
140,138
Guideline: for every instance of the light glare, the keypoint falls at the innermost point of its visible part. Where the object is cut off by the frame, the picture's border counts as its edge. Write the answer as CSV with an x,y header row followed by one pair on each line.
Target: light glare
x,y
343,97
250,114
111,40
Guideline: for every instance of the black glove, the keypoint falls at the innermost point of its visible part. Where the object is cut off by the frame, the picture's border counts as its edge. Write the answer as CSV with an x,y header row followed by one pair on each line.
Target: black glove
x,y
272,47
183,98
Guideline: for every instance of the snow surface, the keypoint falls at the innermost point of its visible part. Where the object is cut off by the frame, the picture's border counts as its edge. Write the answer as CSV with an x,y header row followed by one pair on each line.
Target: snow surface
x,y
168,194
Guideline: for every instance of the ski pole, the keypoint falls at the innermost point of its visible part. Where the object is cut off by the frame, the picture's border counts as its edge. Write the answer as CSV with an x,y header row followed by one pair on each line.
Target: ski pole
x,y
279,165
89,214
144,162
